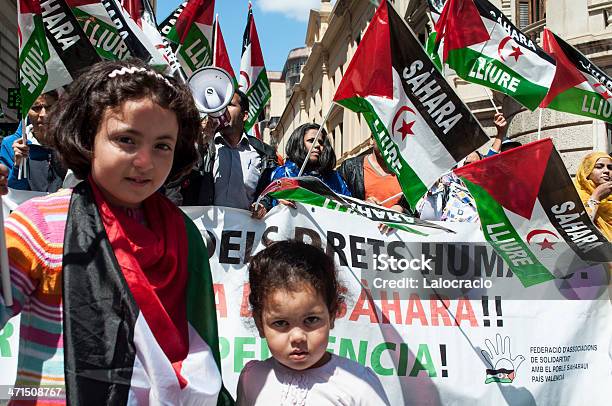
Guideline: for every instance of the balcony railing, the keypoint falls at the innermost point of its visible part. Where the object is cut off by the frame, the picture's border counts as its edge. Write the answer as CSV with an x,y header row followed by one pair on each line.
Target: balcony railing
x,y
533,30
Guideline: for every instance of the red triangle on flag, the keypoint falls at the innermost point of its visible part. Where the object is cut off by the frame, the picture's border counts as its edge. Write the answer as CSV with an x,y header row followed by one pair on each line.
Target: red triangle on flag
x,y
220,56
256,54
566,74
135,9
460,25
512,178
370,71
201,11
29,7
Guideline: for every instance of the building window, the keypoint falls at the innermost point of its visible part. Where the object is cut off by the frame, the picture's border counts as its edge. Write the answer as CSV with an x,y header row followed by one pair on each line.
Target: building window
x,y
530,11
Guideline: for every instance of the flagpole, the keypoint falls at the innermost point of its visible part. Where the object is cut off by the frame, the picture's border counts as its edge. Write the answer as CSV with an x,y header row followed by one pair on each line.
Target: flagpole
x,y
214,44
390,198
490,96
23,168
539,123
6,272
331,106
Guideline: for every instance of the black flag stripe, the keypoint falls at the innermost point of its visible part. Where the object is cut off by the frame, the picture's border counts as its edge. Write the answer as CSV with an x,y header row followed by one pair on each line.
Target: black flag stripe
x,y
466,135
99,311
68,39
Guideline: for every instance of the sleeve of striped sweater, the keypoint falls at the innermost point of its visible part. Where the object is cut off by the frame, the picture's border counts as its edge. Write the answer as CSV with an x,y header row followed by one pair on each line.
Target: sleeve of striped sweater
x,y
27,252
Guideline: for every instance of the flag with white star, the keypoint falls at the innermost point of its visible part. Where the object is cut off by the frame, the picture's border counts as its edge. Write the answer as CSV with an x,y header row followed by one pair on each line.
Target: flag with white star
x,y
420,125
532,214
483,46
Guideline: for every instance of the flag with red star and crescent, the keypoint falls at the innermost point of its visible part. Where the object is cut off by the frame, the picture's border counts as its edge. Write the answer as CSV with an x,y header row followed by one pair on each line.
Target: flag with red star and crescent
x,y
53,48
483,46
532,214
579,87
191,34
420,125
253,80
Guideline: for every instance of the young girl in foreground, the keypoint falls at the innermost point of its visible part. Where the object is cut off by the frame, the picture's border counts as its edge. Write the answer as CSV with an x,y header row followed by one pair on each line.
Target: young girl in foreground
x,y
111,279
294,296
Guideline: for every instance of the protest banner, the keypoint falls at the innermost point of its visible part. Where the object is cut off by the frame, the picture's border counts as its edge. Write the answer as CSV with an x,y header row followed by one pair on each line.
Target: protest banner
x,y
477,346
424,351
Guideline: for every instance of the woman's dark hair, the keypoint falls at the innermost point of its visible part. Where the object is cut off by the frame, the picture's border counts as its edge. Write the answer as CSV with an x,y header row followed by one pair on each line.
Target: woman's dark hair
x,y
289,265
76,117
296,151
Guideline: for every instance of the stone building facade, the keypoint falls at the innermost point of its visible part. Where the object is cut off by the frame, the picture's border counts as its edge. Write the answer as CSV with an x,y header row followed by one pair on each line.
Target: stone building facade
x,y
334,32
9,51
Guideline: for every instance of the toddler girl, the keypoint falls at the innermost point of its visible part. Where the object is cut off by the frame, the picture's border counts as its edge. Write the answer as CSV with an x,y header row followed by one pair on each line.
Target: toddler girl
x,y
111,279
294,296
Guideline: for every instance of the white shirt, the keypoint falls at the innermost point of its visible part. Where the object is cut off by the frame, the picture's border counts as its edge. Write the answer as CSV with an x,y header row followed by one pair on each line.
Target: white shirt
x,y
340,381
236,173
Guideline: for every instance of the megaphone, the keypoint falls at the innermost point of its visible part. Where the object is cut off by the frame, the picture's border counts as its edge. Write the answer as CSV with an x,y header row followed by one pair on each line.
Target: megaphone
x,y
212,89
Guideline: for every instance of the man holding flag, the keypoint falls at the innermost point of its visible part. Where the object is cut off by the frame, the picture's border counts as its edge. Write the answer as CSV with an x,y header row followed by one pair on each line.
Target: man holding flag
x,y
234,168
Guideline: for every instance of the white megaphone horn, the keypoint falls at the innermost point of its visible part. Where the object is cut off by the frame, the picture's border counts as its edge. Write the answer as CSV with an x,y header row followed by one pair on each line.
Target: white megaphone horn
x,y
212,89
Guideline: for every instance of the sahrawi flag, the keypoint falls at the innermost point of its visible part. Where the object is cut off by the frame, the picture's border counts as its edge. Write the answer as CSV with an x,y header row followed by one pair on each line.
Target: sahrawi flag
x,y
100,29
253,79
579,87
310,190
420,125
532,215
166,26
192,35
435,9
142,13
131,342
484,47
138,42
53,48
220,56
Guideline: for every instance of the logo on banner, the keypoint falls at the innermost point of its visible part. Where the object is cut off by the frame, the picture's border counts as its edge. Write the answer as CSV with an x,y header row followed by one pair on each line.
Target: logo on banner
x,y
503,367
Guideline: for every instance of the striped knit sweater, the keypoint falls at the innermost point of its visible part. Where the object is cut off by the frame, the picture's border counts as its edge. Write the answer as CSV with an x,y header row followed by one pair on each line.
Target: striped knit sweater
x,y
35,237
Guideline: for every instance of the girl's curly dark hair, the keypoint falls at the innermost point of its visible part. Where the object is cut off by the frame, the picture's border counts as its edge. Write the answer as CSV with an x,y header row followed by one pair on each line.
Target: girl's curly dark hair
x,y
289,265
75,119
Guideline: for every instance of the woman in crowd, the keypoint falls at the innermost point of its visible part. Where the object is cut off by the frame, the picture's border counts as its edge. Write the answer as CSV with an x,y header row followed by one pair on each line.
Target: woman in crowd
x,y
594,183
368,178
44,170
111,278
321,161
